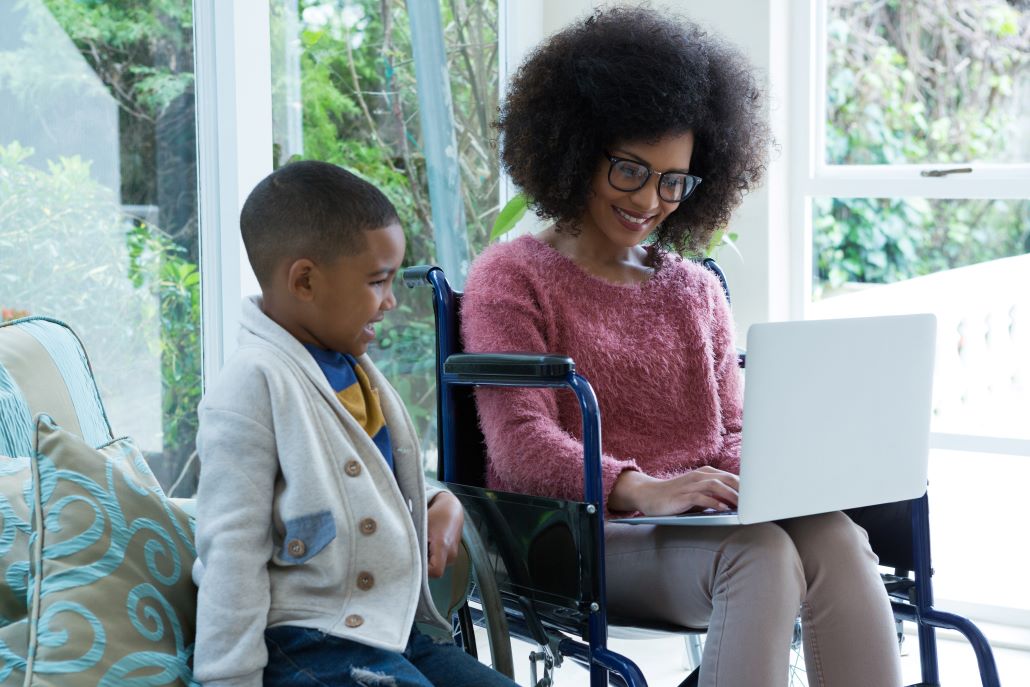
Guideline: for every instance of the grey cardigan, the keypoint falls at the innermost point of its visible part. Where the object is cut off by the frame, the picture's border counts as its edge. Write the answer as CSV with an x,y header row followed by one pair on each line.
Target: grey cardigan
x,y
299,518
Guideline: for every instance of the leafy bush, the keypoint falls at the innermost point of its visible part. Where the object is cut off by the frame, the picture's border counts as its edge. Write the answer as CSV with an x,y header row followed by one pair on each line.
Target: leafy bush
x,y
921,81
360,110
129,288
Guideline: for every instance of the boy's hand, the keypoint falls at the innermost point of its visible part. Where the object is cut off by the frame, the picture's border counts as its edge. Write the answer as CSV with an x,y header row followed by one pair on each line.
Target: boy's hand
x,y
445,519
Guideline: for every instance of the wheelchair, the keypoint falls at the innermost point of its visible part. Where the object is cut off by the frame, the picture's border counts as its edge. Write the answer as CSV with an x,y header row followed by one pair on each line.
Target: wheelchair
x,y
547,555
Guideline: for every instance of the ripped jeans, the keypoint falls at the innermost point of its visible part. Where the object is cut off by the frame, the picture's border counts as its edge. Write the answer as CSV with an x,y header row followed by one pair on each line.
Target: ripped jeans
x,y
302,657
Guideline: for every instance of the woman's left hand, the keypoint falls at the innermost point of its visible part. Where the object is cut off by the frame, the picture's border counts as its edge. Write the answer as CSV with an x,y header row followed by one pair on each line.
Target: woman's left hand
x,y
444,523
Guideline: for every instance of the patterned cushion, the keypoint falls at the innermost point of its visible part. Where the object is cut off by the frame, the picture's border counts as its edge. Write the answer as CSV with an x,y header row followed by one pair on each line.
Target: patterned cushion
x,y
15,529
111,599
46,360
14,647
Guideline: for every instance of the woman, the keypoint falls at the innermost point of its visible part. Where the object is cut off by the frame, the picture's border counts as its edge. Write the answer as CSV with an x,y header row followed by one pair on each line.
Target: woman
x,y
637,135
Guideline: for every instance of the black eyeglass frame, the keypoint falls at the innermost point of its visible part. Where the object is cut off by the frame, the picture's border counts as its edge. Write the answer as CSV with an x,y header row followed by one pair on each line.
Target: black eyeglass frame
x,y
613,160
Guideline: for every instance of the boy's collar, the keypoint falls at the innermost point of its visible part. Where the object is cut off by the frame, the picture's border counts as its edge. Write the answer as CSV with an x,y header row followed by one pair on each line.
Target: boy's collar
x,y
329,357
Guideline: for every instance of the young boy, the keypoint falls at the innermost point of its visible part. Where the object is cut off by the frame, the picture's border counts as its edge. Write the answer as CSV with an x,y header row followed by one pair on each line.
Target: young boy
x,y
312,527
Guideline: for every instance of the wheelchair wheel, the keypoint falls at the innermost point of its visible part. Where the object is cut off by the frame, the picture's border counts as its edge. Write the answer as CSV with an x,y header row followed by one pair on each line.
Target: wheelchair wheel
x,y
796,667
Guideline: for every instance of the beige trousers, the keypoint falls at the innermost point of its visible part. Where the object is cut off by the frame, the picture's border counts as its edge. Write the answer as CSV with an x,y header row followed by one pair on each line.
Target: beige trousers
x,y
747,584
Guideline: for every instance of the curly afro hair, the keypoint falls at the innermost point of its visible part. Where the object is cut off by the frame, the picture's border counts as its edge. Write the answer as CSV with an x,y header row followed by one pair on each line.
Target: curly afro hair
x,y
630,74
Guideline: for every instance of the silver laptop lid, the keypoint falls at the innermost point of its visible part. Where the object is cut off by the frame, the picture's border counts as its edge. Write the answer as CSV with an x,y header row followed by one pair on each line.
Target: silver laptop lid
x,y
836,414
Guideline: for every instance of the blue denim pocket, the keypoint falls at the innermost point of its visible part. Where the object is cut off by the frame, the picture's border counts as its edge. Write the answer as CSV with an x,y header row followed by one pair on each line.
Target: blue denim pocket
x,y
306,536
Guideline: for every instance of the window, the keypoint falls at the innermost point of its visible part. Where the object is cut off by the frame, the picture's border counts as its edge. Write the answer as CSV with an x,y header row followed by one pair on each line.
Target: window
x,y
359,84
919,93
911,193
98,202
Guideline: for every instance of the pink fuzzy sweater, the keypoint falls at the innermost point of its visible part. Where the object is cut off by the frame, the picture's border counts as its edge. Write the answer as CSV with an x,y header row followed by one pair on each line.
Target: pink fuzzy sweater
x,y
659,355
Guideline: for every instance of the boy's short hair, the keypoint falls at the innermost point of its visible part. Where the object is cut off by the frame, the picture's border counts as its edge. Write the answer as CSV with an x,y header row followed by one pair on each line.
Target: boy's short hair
x,y
310,209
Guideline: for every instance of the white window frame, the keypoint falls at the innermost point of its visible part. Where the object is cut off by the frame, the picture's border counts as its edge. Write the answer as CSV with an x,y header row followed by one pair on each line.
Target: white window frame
x,y
234,152
812,177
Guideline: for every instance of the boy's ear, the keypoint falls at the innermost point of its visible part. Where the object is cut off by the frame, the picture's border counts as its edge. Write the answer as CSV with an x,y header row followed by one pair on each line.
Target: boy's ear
x,y
299,279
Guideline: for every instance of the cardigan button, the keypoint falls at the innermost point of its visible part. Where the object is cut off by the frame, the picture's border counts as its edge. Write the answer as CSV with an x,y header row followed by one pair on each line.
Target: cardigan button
x,y
354,621
365,581
296,548
352,468
368,526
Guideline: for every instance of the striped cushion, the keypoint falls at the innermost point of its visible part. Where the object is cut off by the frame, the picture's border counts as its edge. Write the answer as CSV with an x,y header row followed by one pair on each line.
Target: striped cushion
x,y
15,531
15,518
46,360
15,418
43,369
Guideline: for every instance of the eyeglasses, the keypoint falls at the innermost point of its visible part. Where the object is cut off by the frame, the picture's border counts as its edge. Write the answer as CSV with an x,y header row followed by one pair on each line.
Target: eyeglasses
x,y
630,175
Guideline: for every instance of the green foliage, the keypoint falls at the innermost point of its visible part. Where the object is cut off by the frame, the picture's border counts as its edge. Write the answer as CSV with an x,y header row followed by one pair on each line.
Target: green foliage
x,y
160,266
61,250
720,239
141,49
68,250
916,82
509,216
126,286
360,110
55,229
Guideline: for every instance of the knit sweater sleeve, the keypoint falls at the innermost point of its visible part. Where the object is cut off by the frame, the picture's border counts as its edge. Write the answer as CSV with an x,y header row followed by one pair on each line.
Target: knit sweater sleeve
x,y
506,310
728,379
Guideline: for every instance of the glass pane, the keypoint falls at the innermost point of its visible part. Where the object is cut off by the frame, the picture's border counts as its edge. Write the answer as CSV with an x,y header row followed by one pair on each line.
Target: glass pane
x,y
861,241
344,90
924,81
98,202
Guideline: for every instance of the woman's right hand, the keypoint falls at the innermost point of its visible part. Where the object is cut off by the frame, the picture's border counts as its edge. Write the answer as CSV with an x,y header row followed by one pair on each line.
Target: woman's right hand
x,y
705,487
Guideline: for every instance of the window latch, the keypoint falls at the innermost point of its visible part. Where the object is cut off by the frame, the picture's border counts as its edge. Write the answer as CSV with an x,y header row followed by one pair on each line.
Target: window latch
x,y
945,172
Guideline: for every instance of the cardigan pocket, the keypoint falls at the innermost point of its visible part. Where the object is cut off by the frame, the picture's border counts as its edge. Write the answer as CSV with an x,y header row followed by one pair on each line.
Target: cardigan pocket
x,y
305,537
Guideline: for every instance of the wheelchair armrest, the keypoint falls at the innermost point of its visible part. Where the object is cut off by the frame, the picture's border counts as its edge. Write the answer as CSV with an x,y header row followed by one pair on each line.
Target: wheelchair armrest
x,y
525,369
535,370
417,275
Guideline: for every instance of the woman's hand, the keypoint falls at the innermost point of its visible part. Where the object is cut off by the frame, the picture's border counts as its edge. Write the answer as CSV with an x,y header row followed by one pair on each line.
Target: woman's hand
x,y
705,487
445,518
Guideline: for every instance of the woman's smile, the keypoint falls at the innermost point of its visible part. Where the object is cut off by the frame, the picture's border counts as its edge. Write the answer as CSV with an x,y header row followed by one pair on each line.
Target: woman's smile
x,y
634,221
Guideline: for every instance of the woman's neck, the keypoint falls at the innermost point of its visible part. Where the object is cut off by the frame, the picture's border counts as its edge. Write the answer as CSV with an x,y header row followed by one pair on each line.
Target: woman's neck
x,y
620,264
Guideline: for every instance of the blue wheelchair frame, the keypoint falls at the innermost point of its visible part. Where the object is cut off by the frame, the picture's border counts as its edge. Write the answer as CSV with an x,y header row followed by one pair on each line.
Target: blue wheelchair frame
x,y
919,609
911,599
513,370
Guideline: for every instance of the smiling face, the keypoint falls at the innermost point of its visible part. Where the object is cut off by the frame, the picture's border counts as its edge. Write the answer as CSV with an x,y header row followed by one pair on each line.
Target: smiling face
x,y
344,299
623,219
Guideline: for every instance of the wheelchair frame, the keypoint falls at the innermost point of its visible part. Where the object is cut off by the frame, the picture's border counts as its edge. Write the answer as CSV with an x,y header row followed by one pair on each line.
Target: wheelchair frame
x,y
512,370
912,600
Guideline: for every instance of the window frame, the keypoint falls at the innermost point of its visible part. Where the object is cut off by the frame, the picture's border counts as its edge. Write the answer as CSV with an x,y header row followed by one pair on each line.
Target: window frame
x,y
812,176
234,152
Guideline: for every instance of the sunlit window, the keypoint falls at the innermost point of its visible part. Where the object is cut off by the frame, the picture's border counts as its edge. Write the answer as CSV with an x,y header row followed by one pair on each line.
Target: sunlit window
x,y
346,89
98,202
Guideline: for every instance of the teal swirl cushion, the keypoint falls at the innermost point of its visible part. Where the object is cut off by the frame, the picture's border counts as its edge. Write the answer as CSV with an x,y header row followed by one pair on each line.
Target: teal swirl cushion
x,y
15,530
111,600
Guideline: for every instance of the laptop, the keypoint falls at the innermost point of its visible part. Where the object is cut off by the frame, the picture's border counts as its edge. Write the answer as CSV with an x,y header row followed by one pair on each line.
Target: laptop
x,y
836,415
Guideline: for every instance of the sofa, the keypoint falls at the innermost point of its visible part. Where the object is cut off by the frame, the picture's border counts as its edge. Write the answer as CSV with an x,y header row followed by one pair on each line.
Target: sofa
x,y
95,561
